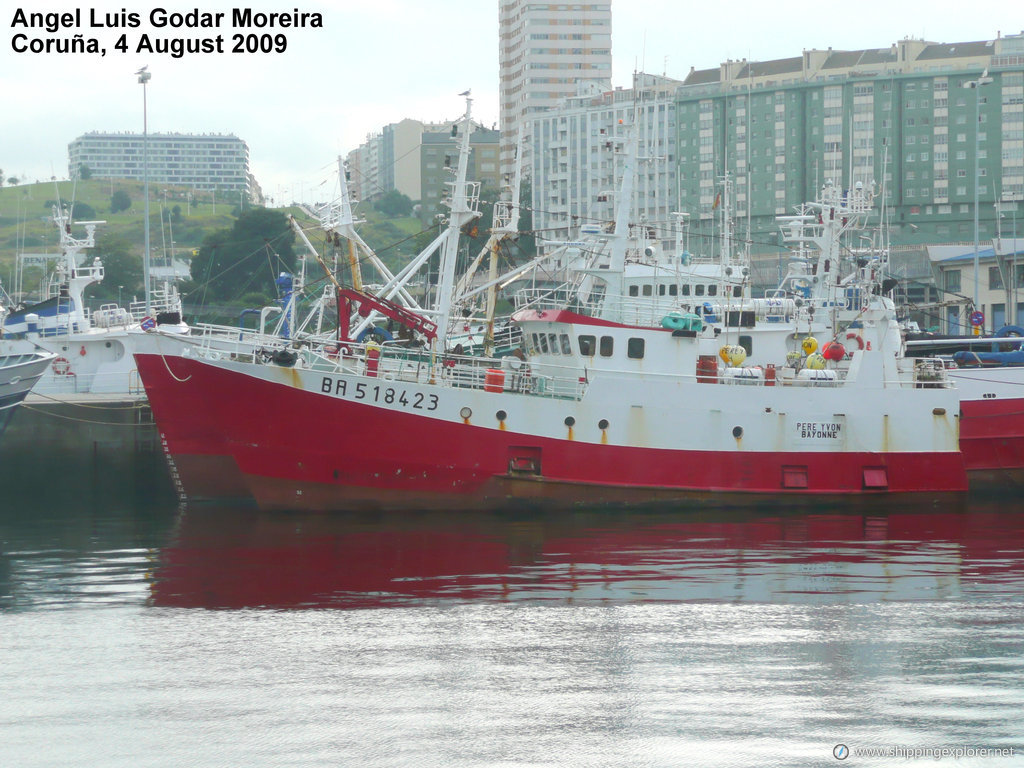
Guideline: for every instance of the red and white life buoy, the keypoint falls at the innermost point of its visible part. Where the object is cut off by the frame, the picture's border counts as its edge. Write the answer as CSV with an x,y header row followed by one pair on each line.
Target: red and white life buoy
x,y
61,367
851,336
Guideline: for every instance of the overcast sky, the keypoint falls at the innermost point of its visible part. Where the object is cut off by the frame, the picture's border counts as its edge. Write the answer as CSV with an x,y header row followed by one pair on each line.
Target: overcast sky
x,y
378,61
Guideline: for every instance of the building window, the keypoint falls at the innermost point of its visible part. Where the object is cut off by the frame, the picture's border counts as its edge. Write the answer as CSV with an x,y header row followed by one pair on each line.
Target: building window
x,y
995,279
951,280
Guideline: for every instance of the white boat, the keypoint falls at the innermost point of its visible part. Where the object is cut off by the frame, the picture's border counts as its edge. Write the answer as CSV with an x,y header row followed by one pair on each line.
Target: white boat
x,y
92,350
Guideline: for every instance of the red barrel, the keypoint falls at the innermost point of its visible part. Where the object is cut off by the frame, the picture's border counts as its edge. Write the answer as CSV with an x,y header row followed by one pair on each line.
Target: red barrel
x,y
707,369
494,380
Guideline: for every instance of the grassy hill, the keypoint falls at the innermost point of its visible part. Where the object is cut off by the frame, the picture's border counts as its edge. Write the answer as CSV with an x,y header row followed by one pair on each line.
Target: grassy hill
x,y
26,222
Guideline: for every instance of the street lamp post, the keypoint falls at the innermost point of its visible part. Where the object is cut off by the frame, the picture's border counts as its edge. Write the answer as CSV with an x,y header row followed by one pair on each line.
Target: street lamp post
x,y
144,77
1013,269
976,85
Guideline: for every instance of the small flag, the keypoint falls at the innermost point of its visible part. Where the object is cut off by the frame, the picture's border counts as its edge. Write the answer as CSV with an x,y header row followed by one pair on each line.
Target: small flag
x,y
718,201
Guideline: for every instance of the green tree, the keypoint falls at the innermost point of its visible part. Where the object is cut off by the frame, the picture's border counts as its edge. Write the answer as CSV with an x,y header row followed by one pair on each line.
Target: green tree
x,y
13,181
82,212
119,201
246,258
84,172
394,204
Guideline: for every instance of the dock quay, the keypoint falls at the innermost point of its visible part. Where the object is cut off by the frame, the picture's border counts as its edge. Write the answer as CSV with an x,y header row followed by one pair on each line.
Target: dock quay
x,y
90,444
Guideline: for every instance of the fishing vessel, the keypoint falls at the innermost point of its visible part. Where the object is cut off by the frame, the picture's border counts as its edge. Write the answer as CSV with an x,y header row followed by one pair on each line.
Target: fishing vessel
x,y
92,349
596,410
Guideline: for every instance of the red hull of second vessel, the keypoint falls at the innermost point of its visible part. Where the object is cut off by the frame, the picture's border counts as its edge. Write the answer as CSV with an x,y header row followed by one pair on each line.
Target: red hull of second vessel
x,y
992,440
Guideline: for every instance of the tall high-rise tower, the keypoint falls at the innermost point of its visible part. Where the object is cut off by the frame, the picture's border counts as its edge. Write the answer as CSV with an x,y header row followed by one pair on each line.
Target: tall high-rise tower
x,y
546,50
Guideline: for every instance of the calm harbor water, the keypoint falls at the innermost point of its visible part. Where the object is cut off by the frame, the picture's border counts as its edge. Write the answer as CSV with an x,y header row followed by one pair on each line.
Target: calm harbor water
x,y
138,632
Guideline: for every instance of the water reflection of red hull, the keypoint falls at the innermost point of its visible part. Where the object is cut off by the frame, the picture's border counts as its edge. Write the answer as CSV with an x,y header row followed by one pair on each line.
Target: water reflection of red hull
x,y
244,558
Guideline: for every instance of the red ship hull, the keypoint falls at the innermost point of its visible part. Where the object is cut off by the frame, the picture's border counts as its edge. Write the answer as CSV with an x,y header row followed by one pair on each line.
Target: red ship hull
x,y
313,452
992,440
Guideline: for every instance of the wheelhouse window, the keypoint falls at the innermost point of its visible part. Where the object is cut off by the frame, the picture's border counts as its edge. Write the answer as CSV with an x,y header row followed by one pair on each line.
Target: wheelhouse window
x,y
566,345
634,290
607,346
698,290
635,349
686,289
712,290
673,290
648,290
588,344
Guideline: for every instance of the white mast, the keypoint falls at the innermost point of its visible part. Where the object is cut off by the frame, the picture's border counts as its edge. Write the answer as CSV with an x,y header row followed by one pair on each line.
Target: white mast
x,y
506,224
465,198
78,276
623,207
144,78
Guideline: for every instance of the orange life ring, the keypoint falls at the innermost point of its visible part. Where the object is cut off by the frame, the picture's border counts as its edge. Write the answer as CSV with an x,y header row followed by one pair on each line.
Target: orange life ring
x,y
61,367
857,337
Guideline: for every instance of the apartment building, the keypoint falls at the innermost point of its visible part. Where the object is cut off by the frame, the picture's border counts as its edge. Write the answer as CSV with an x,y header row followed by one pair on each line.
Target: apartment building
x,y
911,118
578,153
202,161
545,51
390,160
439,158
